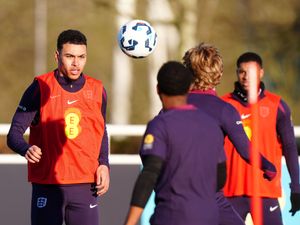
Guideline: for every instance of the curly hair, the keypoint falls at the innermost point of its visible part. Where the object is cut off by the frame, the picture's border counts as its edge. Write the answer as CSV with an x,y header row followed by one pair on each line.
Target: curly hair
x,y
206,63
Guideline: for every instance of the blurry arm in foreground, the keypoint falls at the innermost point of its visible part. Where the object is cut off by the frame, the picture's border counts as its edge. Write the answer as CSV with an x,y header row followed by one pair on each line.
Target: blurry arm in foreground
x,y
144,185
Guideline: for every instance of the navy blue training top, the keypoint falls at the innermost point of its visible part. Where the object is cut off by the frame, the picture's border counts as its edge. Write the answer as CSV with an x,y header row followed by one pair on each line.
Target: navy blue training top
x,y
229,120
226,116
189,142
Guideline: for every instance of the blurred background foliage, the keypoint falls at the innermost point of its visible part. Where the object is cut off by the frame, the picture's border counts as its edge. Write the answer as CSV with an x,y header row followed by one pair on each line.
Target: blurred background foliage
x,y
270,28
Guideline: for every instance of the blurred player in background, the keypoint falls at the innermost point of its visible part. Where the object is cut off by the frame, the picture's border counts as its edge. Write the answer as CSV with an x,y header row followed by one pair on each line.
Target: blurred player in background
x,y
206,64
179,152
276,137
67,152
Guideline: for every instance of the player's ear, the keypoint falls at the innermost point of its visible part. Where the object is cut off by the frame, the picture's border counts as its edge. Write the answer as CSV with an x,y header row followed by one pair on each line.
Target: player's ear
x,y
261,73
191,87
56,55
157,90
159,93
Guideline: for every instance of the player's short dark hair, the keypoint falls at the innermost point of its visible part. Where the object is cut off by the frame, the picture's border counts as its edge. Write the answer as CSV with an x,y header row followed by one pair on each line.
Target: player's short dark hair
x,y
72,37
174,78
249,57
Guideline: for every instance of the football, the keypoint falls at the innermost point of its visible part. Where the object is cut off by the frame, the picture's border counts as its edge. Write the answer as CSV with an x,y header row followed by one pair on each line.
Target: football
x,y
137,38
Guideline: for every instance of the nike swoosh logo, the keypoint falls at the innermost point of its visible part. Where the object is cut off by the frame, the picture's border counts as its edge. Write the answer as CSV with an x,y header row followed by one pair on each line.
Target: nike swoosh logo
x,y
245,116
238,122
71,102
93,206
273,208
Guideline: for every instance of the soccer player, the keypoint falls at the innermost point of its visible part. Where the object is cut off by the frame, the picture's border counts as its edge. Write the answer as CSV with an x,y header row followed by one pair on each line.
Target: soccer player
x,y
276,138
206,64
179,152
67,152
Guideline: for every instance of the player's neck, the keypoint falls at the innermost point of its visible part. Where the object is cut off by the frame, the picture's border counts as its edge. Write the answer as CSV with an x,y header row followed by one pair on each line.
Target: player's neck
x,y
170,102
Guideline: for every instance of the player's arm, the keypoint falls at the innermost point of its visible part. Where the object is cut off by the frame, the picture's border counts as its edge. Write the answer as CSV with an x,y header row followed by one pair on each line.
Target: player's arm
x,y
143,187
25,115
133,215
153,153
102,173
286,133
104,149
221,171
221,175
234,129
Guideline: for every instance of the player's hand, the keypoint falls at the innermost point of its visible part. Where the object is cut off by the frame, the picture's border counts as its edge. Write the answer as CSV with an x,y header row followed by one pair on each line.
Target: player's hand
x,y
269,171
33,154
269,175
295,202
102,180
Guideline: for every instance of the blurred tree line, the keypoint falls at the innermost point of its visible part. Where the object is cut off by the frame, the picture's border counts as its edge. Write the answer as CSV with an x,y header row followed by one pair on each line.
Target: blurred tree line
x,y
270,28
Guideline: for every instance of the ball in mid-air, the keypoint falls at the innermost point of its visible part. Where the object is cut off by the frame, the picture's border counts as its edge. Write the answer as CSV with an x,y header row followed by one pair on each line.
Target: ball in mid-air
x,y
137,38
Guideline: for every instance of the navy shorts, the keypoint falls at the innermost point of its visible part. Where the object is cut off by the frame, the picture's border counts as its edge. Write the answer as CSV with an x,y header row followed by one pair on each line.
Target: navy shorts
x,y
74,204
271,212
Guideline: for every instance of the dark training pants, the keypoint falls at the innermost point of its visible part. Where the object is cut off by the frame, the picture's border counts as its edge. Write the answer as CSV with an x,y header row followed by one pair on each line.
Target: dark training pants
x,y
74,204
228,215
271,212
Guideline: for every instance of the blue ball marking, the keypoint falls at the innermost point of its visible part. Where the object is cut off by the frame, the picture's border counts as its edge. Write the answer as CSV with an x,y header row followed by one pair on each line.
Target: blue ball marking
x,y
139,25
132,43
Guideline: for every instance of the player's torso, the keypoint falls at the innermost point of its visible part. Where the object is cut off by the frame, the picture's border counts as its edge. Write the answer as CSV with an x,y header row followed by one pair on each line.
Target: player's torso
x,y
188,179
239,172
69,132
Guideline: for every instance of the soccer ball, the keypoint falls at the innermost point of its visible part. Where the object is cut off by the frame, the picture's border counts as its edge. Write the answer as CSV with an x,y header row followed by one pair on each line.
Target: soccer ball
x,y
137,38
